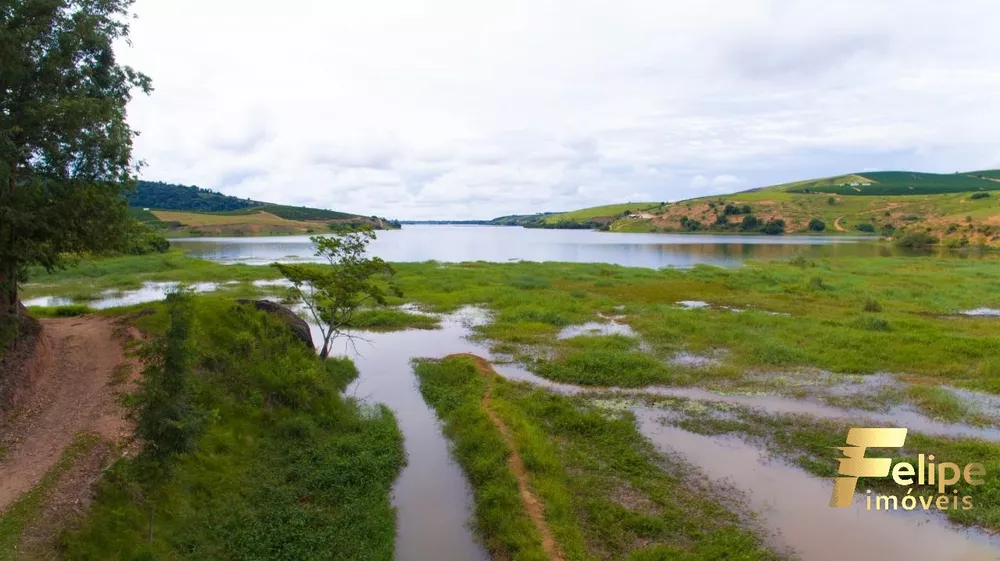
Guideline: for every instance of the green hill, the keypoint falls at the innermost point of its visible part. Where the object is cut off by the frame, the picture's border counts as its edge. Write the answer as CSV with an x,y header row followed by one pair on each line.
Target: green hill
x,y
960,209
182,210
901,183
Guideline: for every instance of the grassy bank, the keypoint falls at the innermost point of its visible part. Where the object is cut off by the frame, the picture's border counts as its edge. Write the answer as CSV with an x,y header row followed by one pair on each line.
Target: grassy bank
x,y
606,492
284,468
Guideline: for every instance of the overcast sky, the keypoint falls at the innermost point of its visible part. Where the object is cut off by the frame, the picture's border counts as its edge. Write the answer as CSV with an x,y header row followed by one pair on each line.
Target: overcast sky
x,y
470,109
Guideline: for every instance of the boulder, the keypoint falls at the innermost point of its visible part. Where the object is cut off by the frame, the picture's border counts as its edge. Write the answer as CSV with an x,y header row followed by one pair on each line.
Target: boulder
x,y
298,325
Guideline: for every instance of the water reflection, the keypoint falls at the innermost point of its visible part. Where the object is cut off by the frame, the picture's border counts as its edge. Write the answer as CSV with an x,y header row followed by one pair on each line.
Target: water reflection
x,y
502,244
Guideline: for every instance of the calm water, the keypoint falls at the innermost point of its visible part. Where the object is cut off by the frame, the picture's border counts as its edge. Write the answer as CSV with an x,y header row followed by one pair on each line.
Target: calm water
x,y
452,243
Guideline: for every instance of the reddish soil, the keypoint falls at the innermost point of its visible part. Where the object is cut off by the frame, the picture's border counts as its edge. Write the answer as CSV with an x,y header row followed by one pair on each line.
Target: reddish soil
x,y
532,505
76,380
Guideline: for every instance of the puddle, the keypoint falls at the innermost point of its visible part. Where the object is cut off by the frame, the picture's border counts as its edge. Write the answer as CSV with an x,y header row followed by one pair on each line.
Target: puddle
x,y
982,312
597,328
794,506
693,304
432,497
272,282
692,360
149,292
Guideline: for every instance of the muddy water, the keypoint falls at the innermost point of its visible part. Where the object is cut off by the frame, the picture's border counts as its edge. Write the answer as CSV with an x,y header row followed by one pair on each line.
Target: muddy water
x,y
794,506
432,496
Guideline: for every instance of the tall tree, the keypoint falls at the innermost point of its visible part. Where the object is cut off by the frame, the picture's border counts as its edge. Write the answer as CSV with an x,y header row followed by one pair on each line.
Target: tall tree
x,y
65,145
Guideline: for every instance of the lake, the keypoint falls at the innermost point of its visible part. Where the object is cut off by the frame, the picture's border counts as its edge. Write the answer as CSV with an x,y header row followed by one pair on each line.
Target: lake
x,y
457,243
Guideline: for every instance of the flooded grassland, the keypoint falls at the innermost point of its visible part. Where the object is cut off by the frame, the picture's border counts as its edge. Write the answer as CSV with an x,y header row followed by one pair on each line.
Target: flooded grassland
x,y
690,414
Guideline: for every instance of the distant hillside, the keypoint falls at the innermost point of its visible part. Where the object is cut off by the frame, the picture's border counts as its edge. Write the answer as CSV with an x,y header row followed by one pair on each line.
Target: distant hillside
x,y
960,209
901,183
510,220
181,210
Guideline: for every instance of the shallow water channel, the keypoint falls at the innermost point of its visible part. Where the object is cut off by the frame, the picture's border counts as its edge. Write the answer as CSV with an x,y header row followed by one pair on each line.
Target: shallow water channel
x,y
435,505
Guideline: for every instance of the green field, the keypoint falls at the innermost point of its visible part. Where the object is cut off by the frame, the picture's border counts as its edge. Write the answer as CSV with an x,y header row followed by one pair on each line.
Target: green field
x,y
600,212
883,183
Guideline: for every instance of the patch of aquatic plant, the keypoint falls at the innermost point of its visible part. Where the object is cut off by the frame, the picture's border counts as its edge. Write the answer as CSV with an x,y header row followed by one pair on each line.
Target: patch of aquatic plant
x,y
388,319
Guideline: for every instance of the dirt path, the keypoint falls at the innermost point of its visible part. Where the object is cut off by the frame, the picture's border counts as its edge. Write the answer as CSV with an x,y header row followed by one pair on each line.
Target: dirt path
x,y
836,224
77,376
534,507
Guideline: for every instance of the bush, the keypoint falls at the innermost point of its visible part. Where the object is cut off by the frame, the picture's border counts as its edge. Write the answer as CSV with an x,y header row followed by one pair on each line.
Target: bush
x,y
917,239
817,225
750,223
831,201
774,227
979,195
866,227
873,323
872,305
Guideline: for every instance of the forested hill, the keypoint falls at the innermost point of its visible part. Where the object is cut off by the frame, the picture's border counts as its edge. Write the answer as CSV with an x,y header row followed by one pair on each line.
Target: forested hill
x,y
182,210
167,196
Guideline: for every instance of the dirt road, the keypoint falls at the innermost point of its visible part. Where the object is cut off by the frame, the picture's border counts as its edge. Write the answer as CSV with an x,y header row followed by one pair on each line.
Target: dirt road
x,y
79,369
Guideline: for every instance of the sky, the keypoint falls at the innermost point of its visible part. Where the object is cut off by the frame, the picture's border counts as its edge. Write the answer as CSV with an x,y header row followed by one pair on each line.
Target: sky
x,y
440,109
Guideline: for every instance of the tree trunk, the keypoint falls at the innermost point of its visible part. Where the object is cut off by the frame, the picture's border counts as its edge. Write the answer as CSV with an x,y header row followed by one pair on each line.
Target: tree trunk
x,y
8,271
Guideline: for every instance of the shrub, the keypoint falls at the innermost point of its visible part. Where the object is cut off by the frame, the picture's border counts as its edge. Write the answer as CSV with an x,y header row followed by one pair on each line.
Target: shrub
x,y
866,227
750,223
916,239
982,195
817,225
774,227
873,323
831,201
872,305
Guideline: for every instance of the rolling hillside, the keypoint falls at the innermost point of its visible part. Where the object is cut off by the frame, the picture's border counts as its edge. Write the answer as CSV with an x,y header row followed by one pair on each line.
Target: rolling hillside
x,y
180,210
960,209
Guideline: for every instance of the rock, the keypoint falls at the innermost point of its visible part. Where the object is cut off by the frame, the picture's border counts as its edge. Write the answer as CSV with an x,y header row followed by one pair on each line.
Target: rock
x,y
298,325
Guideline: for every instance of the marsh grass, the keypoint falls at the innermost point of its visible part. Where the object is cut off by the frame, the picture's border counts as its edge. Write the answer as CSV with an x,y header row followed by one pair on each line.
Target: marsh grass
x,y
454,389
812,444
388,319
286,468
607,492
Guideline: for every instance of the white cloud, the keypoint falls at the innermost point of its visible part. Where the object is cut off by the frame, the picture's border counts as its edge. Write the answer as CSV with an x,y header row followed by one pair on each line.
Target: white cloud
x,y
471,109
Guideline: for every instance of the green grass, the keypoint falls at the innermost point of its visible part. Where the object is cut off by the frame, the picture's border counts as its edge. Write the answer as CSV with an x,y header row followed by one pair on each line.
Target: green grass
x,y
287,468
294,212
18,515
904,183
607,493
825,327
454,389
600,211
388,319
72,310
